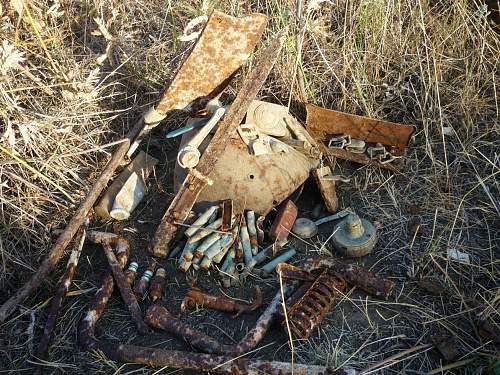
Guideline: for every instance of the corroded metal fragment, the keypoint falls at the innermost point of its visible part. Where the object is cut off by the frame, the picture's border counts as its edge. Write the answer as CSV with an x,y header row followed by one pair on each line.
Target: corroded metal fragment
x,y
196,297
222,48
326,188
283,223
353,274
159,317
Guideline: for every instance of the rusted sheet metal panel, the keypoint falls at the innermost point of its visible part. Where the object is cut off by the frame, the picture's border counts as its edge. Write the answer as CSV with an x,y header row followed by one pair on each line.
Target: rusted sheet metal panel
x,y
196,297
305,315
324,123
283,223
224,45
194,183
326,188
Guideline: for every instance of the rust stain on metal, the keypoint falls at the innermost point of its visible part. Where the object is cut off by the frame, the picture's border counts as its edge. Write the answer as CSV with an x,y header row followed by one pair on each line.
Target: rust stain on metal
x,y
223,47
159,317
227,215
196,297
324,123
283,223
141,285
56,303
124,287
193,185
326,188
305,315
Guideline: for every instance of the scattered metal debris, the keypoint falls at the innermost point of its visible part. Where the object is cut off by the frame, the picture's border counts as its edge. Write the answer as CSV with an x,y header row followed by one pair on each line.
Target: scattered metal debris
x,y
42,351
195,297
354,236
198,178
282,258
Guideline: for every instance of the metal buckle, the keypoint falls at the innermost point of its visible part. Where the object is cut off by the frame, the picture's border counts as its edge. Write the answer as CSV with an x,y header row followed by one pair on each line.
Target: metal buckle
x,y
377,152
339,142
357,146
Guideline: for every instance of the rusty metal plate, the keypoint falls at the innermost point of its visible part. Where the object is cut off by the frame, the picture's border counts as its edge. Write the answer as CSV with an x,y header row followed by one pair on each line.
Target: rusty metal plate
x,y
326,188
283,223
324,123
258,183
224,45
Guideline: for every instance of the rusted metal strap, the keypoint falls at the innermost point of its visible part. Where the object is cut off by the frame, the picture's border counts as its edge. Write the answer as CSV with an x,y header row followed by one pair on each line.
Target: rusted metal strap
x,y
192,186
125,290
57,300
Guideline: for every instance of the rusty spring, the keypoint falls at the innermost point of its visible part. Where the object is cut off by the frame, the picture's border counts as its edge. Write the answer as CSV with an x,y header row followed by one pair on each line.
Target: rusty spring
x,y
310,309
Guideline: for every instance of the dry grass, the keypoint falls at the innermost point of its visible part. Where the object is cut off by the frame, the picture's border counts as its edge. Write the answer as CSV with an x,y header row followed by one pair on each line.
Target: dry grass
x,y
74,75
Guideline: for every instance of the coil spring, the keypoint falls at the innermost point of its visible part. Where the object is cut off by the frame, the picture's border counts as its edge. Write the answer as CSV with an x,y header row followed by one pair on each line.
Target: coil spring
x,y
311,308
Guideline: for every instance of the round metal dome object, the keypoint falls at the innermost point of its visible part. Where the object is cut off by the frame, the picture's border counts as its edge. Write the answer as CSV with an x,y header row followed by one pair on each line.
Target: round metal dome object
x,y
269,121
305,228
355,236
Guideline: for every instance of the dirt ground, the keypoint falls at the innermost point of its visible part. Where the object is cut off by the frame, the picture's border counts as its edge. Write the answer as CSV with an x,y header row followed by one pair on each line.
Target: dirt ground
x,y
431,64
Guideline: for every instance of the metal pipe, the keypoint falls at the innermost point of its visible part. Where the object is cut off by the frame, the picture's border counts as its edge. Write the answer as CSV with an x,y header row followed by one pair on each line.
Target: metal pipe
x,y
245,241
269,267
202,220
228,261
206,244
189,248
159,317
203,232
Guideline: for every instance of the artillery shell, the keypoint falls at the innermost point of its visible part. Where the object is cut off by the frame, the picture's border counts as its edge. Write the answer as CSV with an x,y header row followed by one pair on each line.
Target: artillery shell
x,y
269,267
206,244
252,232
202,220
131,272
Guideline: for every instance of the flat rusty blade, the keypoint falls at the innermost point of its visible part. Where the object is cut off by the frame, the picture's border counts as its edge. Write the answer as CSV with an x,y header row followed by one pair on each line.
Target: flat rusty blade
x,y
196,180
